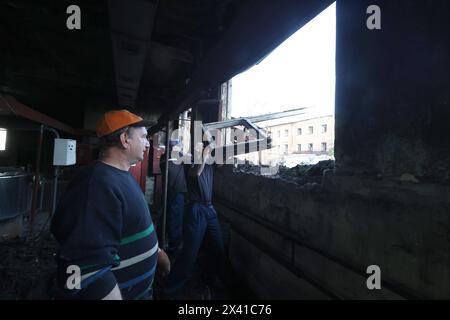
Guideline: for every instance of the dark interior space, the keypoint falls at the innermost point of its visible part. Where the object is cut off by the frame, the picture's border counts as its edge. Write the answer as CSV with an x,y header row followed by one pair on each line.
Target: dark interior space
x,y
309,232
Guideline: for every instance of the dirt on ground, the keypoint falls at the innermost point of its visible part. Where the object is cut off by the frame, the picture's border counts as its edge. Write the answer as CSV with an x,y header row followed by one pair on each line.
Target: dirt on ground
x,y
27,268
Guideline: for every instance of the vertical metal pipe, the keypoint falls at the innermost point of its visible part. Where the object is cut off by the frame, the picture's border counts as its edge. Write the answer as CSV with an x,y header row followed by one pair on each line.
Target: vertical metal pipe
x,y
36,179
41,201
166,183
191,142
55,190
55,178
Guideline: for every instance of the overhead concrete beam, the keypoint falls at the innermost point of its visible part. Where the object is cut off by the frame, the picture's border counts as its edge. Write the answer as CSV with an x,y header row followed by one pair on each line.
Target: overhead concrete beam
x,y
131,24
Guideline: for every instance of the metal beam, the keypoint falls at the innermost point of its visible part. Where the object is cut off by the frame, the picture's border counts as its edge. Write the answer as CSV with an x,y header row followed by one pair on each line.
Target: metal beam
x,y
277,115
248,121
244,147
224,124
261,143
15,107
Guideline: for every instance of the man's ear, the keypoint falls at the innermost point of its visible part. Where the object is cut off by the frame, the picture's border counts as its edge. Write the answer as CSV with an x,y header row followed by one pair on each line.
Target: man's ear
x,y
124,140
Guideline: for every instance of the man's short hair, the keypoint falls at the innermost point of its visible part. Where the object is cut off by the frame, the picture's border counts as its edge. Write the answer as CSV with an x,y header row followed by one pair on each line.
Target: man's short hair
x,y
113,140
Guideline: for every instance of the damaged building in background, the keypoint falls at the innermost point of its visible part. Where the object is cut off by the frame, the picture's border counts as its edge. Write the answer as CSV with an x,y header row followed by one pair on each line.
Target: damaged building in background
x,y
380,200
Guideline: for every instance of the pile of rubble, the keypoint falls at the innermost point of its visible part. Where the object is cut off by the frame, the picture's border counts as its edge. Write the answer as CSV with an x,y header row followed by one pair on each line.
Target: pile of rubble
x,y
308,176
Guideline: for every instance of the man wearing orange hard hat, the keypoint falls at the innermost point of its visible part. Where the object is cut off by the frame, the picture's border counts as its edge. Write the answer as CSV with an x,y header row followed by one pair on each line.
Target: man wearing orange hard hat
x,y
109,248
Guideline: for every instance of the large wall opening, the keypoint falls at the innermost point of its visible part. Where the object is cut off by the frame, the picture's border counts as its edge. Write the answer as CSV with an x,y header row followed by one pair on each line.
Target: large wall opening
x,y
2,139
300,73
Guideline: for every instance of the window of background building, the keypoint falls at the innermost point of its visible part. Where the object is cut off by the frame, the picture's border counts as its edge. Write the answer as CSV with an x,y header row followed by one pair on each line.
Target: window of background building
x,y
279,133
299,148
324,128
311,129
286,133
299,131
310,147
2,139
324,146
286,148
279,148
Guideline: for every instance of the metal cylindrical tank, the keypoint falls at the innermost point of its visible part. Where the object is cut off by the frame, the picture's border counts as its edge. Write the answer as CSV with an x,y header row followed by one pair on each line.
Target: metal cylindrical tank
x,y
15,193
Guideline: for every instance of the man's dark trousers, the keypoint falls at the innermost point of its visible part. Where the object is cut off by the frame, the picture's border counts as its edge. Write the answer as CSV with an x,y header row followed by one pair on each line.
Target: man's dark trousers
x,y
201,224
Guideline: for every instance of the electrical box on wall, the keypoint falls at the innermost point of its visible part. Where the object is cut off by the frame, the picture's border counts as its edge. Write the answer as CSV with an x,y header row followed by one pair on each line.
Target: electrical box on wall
x,y
64,153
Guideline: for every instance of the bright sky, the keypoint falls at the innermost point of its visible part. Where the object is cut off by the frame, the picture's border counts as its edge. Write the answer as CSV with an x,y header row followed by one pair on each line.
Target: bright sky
x,y
299,73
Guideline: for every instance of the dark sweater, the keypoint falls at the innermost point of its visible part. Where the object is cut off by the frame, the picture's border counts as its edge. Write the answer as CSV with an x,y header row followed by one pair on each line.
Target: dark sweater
x,y
177,180
104,226
201,187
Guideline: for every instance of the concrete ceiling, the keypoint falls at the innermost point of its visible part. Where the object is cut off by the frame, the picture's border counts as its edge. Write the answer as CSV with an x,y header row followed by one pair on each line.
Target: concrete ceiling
x,y
153,57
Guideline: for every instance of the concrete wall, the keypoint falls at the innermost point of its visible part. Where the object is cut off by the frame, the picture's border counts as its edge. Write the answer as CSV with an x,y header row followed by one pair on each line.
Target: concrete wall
x,y
285,234
392,114
392,89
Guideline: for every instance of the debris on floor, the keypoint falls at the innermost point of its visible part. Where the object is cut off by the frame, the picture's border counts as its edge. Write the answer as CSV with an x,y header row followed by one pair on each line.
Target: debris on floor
x,y
27,268
309,176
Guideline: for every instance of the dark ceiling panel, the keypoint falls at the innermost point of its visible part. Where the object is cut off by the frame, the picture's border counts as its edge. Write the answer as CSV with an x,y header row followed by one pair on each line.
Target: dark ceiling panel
x,y
158,58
